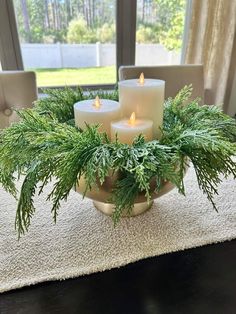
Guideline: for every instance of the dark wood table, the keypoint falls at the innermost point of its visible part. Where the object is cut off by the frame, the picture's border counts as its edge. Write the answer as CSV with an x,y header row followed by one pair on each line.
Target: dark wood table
x,y
195,281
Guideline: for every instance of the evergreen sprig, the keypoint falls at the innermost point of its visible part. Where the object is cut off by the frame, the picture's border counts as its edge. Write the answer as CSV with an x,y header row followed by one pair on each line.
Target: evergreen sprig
x,y
46,146
59,102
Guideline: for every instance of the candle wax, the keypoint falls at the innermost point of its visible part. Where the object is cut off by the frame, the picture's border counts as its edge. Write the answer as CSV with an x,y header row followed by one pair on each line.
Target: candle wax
x,y
87,113
126,131
145,99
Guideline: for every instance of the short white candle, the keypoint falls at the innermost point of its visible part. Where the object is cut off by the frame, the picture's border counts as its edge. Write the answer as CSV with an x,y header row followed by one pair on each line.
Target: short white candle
x,y
145,97
127,129
98,111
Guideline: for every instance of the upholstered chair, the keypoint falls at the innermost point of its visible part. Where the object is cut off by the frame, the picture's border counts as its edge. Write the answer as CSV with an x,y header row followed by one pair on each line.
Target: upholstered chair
x,y
175,76
18,89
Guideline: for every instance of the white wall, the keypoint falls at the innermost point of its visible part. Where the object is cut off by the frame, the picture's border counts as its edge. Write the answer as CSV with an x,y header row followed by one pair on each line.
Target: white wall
x,y
107,54
40,56
91,55
155,54
58,55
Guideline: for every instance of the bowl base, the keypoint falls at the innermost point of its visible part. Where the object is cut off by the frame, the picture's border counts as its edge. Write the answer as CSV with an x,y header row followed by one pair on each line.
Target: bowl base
x,y
108,208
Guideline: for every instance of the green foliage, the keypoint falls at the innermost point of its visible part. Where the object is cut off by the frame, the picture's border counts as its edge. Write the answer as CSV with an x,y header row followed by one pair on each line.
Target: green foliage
x,y
146,35
113,95
171,20
164,24
59,103
204,134
77,32
47,21
45,145
78,21
172,39
54,36
106,34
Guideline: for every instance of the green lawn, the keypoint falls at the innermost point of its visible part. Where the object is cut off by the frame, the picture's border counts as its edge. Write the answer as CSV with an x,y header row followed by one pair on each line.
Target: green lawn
x,y
83,76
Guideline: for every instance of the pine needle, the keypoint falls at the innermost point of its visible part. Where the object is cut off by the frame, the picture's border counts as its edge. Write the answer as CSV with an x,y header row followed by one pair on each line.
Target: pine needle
x,y
46,145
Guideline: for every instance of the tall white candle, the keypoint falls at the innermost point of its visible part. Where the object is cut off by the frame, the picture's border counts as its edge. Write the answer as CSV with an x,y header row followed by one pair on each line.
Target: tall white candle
x,y
98,111
127,129
145,97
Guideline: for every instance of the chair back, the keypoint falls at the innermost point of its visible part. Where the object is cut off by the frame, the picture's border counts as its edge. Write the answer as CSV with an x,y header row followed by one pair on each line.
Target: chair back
x,y
175,76
18,89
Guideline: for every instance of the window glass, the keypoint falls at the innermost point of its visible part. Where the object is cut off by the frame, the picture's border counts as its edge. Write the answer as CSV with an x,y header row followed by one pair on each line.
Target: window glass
x,y
159,34
68,41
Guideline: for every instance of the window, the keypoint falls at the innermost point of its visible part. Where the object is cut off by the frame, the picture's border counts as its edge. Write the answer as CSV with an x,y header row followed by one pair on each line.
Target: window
x,y
159,32
68,42
85,41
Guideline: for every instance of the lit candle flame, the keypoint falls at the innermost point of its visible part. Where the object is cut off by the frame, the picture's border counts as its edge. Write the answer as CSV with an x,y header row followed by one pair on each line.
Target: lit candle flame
x,y
141,79
132,118
97,102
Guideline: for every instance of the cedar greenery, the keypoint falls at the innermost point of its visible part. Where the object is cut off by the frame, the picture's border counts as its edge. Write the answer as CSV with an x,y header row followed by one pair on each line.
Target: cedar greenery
x,y
46,145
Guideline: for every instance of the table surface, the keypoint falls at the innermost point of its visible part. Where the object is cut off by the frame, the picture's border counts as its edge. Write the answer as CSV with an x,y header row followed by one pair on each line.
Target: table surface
x,y
195,281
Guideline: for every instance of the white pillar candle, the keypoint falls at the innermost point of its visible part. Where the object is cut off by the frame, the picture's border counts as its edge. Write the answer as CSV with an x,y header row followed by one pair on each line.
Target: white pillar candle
x,y
127,129
145,97
98,111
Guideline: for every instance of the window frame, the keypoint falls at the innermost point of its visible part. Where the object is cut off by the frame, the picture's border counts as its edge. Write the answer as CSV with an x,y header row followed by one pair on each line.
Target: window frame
x,y
126,16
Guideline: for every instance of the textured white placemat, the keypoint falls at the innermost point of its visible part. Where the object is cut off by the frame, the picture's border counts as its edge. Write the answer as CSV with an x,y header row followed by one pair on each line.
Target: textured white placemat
x,y
84,240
